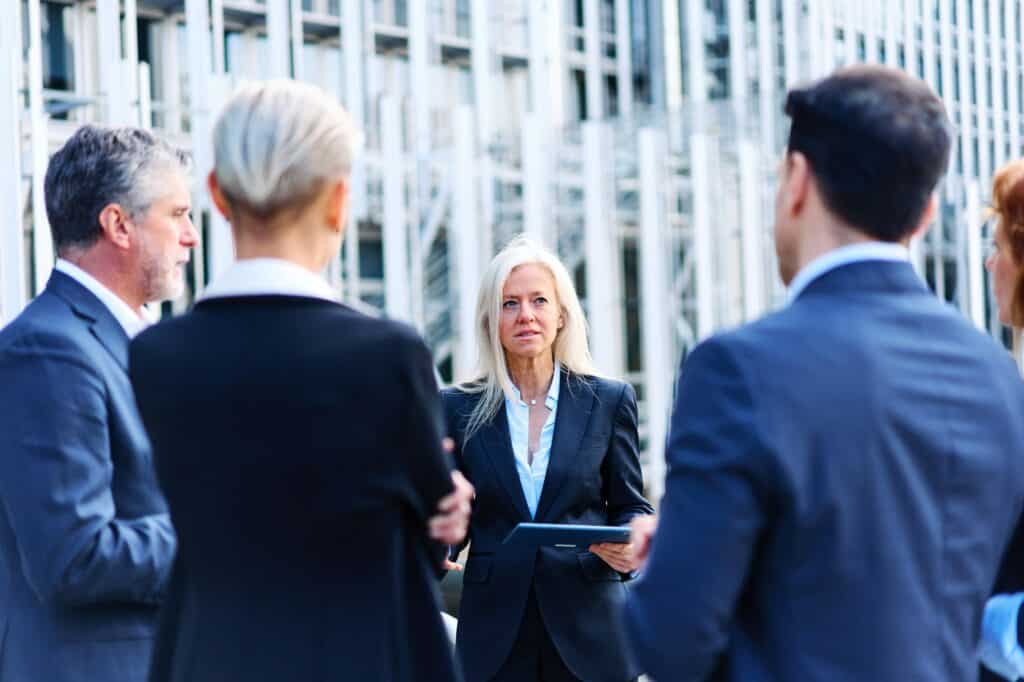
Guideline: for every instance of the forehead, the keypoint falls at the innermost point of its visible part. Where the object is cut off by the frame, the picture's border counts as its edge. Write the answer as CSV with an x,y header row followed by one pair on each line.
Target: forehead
x,y
171,186
528,278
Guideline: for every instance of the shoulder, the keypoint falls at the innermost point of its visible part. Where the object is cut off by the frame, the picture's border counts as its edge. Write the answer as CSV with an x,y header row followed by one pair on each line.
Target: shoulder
x,y
47,326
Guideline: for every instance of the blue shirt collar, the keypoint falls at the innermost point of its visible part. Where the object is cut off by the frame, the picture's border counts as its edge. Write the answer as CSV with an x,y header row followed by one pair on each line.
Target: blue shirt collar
x,y
844,255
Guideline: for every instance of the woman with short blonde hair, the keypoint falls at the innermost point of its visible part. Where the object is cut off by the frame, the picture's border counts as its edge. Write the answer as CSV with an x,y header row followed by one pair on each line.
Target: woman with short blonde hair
x,y
543,438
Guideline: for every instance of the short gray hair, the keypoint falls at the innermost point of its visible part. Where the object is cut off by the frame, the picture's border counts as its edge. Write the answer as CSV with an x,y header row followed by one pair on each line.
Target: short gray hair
x,y
99,166
277,142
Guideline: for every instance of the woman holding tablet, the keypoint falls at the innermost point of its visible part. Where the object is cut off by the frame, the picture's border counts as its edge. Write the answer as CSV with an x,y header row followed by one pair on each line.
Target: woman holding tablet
x,y
543,439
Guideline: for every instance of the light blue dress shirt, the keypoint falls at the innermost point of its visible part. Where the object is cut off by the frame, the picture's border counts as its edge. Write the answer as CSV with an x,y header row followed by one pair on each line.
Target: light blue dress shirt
x,y
999,649
532,475
844,255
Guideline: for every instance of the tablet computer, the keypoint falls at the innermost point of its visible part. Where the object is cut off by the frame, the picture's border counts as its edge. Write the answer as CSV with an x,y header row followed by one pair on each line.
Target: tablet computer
x,y
564,535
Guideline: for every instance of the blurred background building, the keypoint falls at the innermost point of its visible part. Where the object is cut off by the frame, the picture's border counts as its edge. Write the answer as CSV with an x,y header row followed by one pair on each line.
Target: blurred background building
x,y
637,137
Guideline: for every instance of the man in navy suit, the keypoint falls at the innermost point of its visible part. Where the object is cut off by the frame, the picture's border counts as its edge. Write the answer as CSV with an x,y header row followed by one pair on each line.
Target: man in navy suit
x,y
844,473
86,544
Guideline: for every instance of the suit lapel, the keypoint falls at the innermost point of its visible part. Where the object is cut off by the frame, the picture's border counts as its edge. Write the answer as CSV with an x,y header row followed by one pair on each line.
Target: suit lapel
x,y
575,403
497,446
102,323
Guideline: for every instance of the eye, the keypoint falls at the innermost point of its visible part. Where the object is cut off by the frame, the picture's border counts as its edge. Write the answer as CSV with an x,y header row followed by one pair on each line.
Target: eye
x,y
509,304
540,300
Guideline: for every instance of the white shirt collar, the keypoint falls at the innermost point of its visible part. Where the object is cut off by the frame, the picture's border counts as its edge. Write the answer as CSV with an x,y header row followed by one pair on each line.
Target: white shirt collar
x,y
268,277
131,321
844,255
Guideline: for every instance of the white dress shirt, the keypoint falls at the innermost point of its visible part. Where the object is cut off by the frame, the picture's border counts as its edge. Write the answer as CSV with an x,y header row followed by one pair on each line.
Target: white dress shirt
x,y
268,277
844,255
532,474
132,322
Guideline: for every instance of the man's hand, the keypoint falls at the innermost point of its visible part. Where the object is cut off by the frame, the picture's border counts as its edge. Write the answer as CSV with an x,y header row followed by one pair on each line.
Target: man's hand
x,y
621,557
450,524
641,534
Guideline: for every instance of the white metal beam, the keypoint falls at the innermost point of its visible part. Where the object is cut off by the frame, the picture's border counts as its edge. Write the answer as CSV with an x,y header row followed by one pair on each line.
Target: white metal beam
x,y
42,239
791,43
466,244
108,25
536,179
965,124
624,58
352,31
483,73
277,39
217,22
1013,67
602,248
594,59
12,242
752,230
888,16
981,106
296,41
395,237
766,47
995,42
654,286
975,257
673,55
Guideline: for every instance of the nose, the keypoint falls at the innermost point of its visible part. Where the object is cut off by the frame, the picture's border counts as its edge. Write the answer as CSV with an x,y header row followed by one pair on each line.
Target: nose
x,y
190,237
526,312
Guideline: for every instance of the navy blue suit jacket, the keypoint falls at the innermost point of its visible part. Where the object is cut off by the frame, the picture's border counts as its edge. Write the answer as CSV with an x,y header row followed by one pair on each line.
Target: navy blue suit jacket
x,y
593,477
86,544
843,478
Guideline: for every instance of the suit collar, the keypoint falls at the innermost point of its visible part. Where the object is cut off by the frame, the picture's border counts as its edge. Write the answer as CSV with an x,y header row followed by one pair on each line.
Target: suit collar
x,y
576,402
102,323
877,276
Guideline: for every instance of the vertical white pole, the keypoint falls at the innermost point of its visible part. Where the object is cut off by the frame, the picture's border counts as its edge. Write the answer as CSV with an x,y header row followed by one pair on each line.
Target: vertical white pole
x,y
699,180
170,75
298,65
352,25
753,248
12,241
790,42
673,54
624,58
1013,67
850,31
910,37
976,279
217,19
998,93
481,62
981,106
966,126
602,250
766,74
654,302
536,179
145,97
108,26
396,255
277,38
466,244
594,60
42,239
888,15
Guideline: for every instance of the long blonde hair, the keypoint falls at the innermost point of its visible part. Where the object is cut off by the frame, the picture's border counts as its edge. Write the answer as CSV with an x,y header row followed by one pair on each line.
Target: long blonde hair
x,y
570,349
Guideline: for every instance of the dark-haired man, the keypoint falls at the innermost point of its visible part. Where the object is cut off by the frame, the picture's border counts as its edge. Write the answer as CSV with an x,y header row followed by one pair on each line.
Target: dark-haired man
x,y
843,474
86,544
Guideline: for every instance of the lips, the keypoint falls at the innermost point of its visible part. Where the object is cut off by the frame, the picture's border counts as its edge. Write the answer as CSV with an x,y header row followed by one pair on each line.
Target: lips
x,y
527,335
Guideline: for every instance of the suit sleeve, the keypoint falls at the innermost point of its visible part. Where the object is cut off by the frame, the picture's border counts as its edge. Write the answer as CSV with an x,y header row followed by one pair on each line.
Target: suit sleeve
x,y
427,467
55,477
716,506
621,473
454,431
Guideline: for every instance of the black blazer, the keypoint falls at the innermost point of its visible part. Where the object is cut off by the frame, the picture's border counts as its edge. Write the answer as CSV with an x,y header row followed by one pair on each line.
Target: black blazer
x,y
593,477
1010,579
298,443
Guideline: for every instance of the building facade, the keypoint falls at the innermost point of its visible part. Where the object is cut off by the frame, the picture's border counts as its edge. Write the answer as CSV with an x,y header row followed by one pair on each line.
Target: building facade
x,y
637,137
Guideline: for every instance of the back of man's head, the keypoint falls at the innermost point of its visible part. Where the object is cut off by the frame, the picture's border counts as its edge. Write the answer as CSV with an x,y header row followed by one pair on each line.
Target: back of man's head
x,y
877,141
98,166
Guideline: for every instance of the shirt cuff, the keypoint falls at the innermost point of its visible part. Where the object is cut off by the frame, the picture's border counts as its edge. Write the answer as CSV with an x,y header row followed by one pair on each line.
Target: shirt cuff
x,y
999,648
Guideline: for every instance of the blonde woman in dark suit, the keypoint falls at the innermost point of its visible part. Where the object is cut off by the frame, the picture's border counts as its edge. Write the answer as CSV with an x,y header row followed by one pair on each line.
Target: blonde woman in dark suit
x,y
543,438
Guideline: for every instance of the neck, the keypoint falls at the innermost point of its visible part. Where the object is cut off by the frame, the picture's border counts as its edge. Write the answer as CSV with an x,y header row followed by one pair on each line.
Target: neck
x,y
828,235
532,376
111,271
297,243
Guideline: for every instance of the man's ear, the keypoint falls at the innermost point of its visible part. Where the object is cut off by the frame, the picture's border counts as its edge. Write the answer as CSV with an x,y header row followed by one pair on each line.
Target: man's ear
x,y
219,200
117,226
796,184
931,209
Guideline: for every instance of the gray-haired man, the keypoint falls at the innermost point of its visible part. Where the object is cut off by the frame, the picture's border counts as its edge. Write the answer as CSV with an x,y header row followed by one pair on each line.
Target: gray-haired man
x,y
86,544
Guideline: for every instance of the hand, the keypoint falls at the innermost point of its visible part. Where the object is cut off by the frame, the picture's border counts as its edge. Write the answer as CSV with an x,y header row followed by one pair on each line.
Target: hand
x,y
619,556
450,565
641,535
450,524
